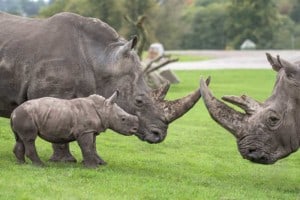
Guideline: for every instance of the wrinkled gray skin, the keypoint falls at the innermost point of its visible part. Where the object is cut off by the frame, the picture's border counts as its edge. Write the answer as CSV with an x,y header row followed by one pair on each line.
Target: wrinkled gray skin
x,y
70,56
267,131
61,121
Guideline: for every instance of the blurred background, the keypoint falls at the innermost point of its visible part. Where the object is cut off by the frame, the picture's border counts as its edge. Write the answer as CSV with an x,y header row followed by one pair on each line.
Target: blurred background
x,y
185,24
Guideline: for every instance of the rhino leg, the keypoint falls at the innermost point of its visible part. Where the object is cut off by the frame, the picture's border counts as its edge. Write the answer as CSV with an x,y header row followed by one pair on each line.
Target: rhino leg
x,y
86,143
62,153
19,148
31,153
26,133
99,159
19,151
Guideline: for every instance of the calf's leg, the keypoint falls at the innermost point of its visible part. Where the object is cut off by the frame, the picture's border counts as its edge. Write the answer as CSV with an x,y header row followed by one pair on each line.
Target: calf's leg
x,y
99,159
61,153
25,132
86,144
31,153
19,151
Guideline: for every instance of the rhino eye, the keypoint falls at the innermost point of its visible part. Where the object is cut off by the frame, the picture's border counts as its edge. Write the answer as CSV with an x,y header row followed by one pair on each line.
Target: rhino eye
x,y
290,75
139,101
273,120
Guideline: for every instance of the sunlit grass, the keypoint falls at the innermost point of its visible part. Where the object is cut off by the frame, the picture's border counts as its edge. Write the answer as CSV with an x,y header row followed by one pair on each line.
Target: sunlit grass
x,y
183,57
198,159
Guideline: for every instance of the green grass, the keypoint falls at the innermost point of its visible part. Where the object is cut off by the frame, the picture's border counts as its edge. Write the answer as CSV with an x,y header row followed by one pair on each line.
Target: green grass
x,y
189,58
198,159
184,57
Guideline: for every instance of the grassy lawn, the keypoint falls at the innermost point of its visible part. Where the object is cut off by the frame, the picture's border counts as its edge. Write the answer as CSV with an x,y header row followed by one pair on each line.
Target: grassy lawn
x,y
183,57
189,58
198,159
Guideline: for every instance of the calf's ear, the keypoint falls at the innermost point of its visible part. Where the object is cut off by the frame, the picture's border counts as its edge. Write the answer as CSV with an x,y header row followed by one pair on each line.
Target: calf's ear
x,y
113,97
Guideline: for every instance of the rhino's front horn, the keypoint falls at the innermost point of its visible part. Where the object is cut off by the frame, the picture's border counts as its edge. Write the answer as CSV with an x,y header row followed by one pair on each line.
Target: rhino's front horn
x,y
221,113
177,108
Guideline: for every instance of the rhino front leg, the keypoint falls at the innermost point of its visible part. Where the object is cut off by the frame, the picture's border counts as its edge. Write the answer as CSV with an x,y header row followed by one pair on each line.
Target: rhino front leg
x,y
100,160
61,153
86,143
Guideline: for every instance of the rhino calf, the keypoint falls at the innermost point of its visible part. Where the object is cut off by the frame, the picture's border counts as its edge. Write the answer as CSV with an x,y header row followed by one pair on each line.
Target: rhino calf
x,y
60,121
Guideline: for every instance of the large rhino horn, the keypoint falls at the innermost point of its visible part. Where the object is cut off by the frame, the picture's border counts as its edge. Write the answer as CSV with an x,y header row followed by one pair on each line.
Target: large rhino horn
x,y
224,115
176,108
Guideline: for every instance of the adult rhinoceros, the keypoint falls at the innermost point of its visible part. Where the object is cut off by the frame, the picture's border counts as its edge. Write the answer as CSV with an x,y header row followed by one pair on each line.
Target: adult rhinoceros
x,y
69,56
267,131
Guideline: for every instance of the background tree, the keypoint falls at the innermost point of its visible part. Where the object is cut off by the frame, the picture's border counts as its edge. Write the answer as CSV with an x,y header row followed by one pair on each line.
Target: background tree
x,y
168,23
207,31
188,24
21,7
255,20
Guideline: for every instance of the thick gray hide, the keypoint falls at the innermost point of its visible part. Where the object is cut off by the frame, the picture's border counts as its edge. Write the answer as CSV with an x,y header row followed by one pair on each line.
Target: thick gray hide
x,y
70,56
61,121
265,132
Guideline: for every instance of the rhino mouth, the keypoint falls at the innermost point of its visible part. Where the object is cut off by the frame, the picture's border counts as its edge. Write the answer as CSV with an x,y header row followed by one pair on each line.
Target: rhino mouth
x,y
152,136
254,152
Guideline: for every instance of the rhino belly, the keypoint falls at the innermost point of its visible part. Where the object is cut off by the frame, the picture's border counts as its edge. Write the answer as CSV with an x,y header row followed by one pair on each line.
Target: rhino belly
x,y
56,130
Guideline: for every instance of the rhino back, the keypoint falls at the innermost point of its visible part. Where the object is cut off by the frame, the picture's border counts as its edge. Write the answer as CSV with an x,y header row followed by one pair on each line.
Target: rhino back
x,y
61,120
49,57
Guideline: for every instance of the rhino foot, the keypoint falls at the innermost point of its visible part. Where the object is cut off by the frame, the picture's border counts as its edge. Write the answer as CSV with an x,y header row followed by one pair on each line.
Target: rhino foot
x,y
62,158
62,153
100,161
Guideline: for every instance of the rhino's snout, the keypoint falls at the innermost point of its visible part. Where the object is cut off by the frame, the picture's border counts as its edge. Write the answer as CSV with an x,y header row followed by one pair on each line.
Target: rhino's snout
x,y
155,136
135,125
257,156
134,129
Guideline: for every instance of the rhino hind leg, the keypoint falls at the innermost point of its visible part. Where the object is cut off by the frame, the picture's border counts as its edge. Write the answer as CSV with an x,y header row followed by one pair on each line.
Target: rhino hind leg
x,y
86,143
19,150
26,133
61,153
30,152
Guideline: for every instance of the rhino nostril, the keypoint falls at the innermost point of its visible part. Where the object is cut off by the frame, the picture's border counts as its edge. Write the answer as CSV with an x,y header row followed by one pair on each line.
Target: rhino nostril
x,y
156,133
252,150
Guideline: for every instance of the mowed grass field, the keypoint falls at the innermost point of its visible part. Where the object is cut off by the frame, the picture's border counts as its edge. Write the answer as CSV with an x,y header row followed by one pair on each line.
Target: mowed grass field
x,y
198,159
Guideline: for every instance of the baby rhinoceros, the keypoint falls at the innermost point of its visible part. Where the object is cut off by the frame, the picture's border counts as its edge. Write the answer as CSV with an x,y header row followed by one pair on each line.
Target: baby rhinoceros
x,y
60,121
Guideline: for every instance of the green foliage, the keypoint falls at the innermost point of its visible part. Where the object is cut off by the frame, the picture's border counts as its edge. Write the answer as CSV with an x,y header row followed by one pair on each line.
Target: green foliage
x,y
21,7
207,30
198,159
187,24
168,24
295,14
106,10
254,20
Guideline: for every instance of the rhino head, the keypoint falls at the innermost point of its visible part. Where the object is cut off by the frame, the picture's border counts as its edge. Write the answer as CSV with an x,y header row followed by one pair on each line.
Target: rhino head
x,y
114,117
124,73
265,132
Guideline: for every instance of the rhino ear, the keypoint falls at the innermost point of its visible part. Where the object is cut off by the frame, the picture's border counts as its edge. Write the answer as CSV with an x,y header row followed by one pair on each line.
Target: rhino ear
x,y
129,45
112,99
274,62
289,68
133,41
